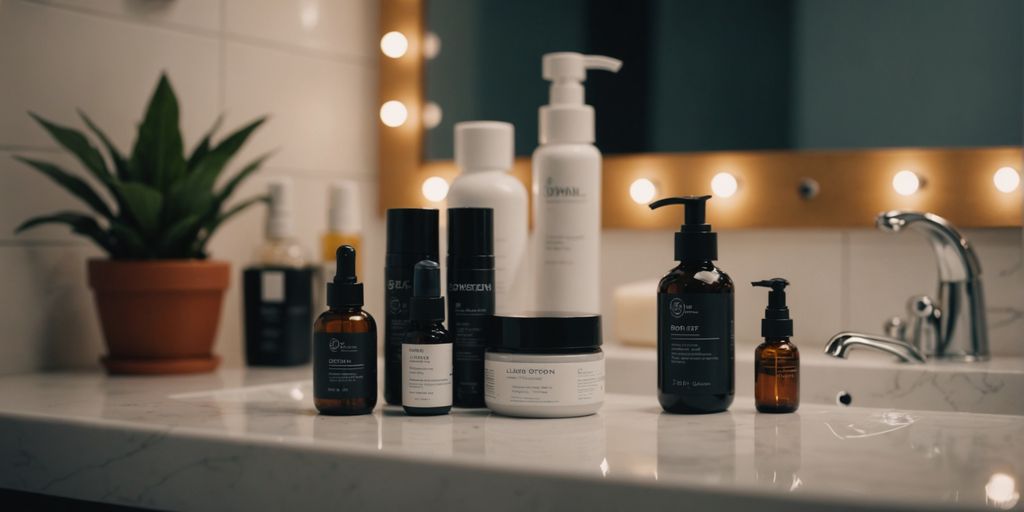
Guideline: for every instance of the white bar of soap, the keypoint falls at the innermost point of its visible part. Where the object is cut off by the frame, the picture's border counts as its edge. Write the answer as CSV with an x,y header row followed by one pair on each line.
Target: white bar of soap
x,y
636,313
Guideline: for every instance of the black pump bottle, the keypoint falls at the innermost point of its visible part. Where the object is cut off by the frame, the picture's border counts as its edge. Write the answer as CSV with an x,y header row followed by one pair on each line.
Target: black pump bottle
x,y
427,349
777,360
696,345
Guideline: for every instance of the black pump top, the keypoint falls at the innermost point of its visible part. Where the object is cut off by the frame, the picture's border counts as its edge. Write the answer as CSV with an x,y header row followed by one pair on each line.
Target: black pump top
x,y
695,242
427,304
345,289
776,322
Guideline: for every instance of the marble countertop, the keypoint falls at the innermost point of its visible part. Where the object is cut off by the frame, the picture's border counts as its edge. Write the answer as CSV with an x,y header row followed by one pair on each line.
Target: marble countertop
x,y
252,439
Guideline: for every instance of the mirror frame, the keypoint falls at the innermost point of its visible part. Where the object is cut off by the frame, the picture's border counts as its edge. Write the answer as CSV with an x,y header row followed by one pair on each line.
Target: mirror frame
x,y
853,185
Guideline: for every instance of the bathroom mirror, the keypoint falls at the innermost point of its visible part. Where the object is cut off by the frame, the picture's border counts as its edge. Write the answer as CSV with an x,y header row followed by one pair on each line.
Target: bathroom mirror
x,y
815,111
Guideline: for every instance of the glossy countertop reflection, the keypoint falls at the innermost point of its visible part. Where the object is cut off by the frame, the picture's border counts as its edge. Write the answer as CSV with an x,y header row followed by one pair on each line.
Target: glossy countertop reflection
x,y
859,456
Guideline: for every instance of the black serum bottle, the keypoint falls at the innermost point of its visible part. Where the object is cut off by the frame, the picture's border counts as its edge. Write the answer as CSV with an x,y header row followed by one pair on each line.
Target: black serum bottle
x,y
470,298
412,237
345,345
696,346
427,350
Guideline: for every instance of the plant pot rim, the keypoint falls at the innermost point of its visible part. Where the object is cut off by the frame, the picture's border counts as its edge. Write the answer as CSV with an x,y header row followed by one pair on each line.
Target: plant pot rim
x,y
106,275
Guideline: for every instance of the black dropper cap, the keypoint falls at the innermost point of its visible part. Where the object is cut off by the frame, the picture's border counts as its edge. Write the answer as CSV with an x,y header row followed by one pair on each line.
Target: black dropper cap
x,y
471,237
776,322
412,231
344,290
695,242
426,304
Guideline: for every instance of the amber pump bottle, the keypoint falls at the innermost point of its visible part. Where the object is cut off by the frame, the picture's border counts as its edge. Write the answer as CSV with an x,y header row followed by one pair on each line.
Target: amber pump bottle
x,y
696,348
777,360
345,345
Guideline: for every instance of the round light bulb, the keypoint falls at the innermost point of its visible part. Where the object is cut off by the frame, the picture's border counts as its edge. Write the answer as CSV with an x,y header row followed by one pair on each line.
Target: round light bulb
x,y
431,45
393,113
642,191
394,44
1006,179
906,182
432,115
435,189
1001,491
724,184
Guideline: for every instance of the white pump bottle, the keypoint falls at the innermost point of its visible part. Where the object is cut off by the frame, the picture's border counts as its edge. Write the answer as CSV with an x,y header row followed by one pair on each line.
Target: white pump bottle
x,y
567,190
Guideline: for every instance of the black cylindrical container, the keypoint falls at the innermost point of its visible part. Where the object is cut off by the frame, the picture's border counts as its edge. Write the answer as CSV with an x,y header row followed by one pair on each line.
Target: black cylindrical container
x,y
470,298
412,237
278,305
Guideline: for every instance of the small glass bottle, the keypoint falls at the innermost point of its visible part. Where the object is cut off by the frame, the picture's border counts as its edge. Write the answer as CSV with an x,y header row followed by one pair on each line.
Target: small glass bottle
x,y
776,360
427,349
345,345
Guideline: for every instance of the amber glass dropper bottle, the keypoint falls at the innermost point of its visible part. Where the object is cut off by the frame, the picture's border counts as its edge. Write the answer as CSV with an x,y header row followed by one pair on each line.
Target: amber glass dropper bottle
x,y
777,360
345,345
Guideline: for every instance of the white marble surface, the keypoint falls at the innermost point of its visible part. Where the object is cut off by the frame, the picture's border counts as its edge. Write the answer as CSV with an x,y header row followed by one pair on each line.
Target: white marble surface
x,y
250,439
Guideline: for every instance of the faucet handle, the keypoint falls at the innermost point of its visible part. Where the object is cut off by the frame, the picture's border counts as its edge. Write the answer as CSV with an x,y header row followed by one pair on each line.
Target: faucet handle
x,y
895,327
924,316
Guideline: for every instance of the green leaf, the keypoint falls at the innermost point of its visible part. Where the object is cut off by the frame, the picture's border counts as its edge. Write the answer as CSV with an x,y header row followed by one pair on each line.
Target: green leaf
x,y
76,186
210,166
78,145
180,232
211,227
144,204
229,188
80,223
128,242
120,163
158,158
204,145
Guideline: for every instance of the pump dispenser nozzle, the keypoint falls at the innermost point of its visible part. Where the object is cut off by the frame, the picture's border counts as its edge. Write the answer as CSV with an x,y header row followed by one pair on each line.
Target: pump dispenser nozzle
x,y
776,322
345,289
695,242
566,118
426,304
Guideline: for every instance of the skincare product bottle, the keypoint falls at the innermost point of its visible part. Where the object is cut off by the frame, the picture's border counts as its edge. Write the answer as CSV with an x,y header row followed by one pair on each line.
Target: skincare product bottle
x,y
567,189
777,360
427,350
344,223
411,237
696,349
345,345
484,151
471,298
278,290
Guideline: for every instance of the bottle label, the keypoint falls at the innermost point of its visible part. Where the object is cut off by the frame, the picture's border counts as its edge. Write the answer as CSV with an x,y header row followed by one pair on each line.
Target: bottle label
x,y
344,365
695,343
397,292
278,315
470,309
427,375
546,384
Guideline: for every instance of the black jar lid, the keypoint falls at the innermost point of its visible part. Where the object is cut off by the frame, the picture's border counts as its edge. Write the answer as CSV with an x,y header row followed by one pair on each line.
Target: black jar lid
x,y
539,332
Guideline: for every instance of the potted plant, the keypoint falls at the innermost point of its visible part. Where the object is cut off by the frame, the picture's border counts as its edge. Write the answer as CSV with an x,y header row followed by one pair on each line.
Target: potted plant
x,y
157,294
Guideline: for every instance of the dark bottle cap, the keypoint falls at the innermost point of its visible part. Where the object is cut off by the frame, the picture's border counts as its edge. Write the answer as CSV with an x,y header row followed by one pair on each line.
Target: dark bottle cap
x,y
471,237
427,304
345,289
546,332
412,231
695,242
776,322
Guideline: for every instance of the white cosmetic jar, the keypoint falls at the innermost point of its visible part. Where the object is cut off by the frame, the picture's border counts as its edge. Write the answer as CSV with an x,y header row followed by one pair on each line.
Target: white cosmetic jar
x,y
545,365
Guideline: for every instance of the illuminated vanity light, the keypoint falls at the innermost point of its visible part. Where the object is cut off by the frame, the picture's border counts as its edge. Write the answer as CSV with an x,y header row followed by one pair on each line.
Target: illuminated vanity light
x,y
724,184
906,182
394,44
393,113
431,45
432,115
1006,179
643,191
1001,491
435,189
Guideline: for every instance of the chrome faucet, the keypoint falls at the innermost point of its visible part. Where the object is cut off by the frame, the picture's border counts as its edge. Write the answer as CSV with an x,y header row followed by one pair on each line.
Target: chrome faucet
x,y
950,328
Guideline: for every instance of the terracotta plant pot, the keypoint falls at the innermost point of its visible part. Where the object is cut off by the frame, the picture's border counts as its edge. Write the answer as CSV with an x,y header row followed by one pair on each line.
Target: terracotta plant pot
x,y
159,317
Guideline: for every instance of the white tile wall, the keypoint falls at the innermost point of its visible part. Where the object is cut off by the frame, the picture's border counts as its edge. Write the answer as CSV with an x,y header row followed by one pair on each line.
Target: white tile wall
x,y
242,58
315,76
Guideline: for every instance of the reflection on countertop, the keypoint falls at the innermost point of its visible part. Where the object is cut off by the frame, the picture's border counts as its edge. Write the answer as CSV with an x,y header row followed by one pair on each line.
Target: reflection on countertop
x,y
856,456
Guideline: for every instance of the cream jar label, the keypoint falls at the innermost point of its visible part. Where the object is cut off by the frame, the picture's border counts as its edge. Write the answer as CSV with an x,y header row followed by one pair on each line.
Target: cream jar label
x,y
427,375
554,384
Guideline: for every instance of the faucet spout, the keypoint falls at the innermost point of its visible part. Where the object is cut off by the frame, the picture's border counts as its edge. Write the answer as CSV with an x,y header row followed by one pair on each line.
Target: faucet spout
x,y
956,259
840,344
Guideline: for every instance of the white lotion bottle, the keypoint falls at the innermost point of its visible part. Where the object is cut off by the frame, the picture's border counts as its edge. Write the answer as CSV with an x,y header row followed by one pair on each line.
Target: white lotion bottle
x,y
567,190
484,151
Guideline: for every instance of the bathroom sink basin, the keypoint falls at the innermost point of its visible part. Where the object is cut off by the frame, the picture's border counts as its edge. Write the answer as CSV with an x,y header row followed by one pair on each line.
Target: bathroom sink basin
x,y
864,380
